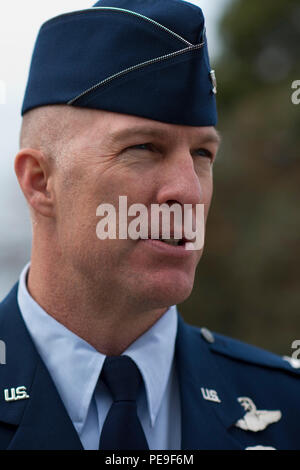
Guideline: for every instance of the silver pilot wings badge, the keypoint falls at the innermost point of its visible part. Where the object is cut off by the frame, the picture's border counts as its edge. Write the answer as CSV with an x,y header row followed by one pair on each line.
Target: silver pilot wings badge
x,y
254,419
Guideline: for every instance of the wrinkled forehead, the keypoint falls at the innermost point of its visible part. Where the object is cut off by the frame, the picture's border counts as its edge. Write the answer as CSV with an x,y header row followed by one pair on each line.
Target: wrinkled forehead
x,y
117,129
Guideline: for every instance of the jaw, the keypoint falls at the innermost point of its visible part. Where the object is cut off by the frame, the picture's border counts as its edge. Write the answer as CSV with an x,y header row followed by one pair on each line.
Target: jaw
x,y
161,283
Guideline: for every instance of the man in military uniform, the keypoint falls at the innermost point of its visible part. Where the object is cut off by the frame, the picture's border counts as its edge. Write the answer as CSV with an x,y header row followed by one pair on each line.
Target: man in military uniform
x,y
121,101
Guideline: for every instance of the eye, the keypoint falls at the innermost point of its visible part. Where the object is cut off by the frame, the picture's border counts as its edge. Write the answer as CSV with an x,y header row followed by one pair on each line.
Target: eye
x,y
202,152
141,147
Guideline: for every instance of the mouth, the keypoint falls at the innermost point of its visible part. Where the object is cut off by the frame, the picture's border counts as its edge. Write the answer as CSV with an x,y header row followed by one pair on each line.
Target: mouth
x,y
173,241
170,246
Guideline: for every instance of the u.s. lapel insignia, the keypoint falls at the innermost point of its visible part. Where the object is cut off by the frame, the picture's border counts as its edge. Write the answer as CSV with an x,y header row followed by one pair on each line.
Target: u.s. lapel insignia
x,y
210,395
256,420
15,394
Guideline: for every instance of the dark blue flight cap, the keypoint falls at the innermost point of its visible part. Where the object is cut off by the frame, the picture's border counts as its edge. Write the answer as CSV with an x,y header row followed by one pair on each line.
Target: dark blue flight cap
x,y
148,58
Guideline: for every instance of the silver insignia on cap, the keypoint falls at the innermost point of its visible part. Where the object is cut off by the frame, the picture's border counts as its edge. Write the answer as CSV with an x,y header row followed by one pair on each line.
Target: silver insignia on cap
x,y
214,81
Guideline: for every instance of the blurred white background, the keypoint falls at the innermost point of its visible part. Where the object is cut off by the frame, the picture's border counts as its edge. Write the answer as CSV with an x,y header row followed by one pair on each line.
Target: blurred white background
x,y
19,24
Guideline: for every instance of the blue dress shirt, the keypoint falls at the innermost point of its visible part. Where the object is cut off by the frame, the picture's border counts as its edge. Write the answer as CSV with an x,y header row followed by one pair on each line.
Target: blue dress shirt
x,y
75,367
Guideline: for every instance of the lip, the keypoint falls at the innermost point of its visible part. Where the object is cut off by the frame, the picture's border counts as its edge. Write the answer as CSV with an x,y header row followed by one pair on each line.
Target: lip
x,y
168,250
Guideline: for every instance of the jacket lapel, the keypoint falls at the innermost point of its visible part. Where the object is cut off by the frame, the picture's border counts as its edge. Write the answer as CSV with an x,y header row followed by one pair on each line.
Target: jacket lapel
x,y
39,416
205,423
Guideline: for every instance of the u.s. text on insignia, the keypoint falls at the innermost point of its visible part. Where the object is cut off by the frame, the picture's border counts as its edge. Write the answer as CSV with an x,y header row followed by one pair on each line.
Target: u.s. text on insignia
x,y
15,394
254,419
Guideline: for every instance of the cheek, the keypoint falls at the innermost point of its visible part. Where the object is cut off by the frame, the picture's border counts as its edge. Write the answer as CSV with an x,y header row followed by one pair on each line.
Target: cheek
x,y
208,193
206,183
75,207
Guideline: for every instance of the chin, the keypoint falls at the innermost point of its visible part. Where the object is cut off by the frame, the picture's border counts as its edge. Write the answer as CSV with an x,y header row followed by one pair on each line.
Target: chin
x,y
171,290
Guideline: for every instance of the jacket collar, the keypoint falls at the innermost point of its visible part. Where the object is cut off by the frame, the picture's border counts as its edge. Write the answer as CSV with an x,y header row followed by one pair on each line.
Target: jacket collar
x,y
41,419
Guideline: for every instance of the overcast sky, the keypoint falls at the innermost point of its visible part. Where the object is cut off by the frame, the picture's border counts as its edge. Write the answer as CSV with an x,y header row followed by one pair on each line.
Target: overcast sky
x,y
20,21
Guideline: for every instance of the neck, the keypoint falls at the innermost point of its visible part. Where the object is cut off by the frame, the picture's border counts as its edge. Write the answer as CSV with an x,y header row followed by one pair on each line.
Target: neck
x,y
106,319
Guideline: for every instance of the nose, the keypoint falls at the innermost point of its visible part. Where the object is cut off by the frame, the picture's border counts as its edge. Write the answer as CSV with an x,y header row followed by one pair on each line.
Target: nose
x,y
178,181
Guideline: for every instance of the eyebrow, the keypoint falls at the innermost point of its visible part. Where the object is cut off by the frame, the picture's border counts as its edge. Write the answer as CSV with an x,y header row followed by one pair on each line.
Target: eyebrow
x,y
212,137
119,136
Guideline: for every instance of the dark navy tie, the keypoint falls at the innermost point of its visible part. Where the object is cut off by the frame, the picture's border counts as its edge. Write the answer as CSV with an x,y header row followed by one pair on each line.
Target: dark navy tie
x,y
122,429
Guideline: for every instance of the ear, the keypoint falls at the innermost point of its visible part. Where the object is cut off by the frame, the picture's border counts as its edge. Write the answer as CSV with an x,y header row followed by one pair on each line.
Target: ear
x,y
33,171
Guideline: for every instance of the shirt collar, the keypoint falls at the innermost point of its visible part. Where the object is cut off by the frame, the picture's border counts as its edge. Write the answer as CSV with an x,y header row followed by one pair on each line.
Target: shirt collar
x,y
72,362
153,353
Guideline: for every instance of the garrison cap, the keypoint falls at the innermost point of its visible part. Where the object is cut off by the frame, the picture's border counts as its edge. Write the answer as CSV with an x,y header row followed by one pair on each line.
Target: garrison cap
x,y
147,58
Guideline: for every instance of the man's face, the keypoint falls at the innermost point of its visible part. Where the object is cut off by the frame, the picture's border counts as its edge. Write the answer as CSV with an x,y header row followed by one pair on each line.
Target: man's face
x,y
112,155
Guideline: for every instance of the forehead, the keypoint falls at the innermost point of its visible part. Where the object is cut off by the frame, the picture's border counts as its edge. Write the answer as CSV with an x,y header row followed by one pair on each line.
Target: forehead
x,y
115,128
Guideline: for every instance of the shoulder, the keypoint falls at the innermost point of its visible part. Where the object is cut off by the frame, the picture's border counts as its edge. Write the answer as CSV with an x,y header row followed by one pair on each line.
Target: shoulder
x,y
235,350
242,351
